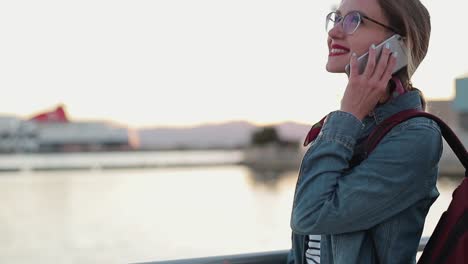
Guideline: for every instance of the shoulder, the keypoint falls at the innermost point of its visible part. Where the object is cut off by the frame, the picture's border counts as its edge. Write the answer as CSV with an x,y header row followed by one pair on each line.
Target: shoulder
x,y
418,126
418,138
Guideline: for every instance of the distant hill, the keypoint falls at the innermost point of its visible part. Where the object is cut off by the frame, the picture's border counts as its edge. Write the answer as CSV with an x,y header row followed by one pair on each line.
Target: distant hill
x,y
226,135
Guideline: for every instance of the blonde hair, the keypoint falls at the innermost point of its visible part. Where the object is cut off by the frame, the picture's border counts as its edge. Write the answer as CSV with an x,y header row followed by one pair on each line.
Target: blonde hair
x,y
412,20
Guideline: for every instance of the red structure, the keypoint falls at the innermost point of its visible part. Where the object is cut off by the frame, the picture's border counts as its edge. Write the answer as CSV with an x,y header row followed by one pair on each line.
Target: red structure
x,y
56,116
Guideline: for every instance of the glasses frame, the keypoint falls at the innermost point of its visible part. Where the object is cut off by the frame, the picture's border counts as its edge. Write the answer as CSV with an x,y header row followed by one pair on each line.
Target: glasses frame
x,y
361,17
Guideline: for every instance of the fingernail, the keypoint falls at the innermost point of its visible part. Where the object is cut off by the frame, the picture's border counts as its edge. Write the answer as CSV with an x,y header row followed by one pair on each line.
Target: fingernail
x,y
373,46
395,54
387,45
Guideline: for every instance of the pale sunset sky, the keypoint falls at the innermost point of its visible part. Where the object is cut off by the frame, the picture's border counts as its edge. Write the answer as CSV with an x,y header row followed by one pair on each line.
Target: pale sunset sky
x,y
185,62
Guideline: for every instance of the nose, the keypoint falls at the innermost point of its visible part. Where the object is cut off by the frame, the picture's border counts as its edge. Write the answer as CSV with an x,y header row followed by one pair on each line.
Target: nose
x,y
336,31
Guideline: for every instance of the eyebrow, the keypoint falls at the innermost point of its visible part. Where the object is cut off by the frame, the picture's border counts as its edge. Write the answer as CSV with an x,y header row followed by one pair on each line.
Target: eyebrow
x,y
359,11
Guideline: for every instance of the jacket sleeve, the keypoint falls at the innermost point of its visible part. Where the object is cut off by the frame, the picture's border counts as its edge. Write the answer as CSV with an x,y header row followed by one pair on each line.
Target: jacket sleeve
x,y
397,174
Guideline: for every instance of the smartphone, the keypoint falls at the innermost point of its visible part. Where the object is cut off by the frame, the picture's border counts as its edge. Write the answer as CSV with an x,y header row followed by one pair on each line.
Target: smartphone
x,y
396,45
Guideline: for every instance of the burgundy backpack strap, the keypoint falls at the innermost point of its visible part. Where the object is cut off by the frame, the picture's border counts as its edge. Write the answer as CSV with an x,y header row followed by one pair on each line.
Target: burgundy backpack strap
x,y
383,128
314,131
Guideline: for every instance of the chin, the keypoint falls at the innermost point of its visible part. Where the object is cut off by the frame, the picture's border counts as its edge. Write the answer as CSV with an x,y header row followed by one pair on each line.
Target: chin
x,y
337,64
335,68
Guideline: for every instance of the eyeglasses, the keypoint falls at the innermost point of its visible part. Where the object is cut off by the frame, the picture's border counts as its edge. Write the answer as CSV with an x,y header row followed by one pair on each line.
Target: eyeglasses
x,y
351,22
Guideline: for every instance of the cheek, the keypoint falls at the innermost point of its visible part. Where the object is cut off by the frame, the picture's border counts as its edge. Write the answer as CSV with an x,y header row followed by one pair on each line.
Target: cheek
x,y
362,45
360,42
360,49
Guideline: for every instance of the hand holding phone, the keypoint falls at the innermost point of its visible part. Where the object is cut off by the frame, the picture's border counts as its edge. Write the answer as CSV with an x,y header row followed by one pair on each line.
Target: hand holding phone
x,y
396,44
367,87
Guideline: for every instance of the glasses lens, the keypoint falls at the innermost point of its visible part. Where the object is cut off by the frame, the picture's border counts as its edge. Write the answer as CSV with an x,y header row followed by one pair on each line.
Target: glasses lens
x,y
331,20
351,22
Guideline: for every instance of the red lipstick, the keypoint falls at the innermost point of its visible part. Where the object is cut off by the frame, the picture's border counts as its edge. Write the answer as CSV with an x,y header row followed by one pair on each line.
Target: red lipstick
x,y
342,50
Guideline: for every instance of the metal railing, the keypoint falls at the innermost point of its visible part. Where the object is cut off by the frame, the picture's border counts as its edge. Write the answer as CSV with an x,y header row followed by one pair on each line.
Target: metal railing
x,y
270,257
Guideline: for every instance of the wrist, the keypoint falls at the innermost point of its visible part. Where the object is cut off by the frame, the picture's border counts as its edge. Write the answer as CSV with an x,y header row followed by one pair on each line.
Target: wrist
x,y
342,125
356,114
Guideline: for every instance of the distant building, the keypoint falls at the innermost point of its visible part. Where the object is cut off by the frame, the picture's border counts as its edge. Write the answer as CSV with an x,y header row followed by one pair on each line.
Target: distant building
x,y
444,110
453,112
460,104
52,131
17,135
81,136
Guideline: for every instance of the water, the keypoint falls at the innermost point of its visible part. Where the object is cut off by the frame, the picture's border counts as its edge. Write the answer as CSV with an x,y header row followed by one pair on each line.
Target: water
x,y
51,161
138,215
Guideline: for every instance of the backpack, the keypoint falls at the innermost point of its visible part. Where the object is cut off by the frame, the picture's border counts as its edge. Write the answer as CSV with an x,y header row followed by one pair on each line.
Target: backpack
x,y
449,240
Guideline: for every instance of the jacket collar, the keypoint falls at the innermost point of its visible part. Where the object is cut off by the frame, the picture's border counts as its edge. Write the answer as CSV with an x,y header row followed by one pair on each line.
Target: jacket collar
x,y
408,100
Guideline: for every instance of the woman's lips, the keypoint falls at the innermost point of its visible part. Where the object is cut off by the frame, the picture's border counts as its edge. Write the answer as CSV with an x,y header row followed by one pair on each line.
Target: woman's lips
x,y
338,50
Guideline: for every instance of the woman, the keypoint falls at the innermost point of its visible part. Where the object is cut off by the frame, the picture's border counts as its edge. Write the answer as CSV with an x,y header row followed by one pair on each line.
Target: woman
x,y
372,211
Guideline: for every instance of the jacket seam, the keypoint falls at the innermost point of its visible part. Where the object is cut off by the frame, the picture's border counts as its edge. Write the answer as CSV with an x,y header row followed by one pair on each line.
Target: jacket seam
x,y
345,141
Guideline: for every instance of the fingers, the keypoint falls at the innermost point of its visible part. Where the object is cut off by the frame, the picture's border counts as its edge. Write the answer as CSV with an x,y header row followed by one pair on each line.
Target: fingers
x,y
390,66
382,65
354,71
382,81
370,62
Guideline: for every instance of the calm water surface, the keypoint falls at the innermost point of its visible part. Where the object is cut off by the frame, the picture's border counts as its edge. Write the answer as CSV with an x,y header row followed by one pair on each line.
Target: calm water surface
x,y
137,215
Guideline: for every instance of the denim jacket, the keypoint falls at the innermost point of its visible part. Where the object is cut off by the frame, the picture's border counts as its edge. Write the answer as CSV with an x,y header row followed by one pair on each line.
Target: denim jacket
x,y
373,212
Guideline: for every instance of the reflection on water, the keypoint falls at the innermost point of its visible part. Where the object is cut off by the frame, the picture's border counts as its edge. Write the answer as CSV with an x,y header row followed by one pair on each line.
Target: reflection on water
x,y
121,216
270,179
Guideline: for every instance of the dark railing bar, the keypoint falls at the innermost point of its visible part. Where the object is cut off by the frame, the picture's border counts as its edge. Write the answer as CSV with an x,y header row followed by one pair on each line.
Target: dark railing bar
x,y
270,257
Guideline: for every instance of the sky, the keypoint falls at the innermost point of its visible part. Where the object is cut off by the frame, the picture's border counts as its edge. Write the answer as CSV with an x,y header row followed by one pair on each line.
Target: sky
x,y
186,62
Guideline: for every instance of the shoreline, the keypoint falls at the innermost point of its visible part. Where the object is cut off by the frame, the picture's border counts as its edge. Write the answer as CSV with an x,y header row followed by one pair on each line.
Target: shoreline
x,y
449,164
